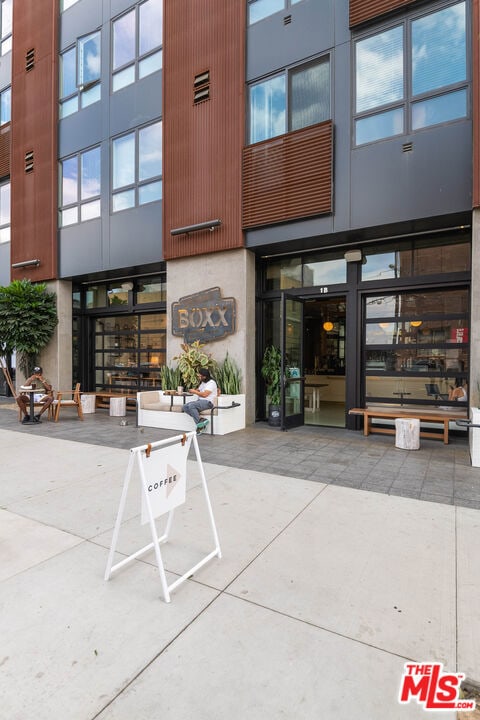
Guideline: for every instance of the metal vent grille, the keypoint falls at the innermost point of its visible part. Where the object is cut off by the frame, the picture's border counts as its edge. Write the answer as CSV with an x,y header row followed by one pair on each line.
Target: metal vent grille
x,y
407,147
201,87
287,19
30,59
29,161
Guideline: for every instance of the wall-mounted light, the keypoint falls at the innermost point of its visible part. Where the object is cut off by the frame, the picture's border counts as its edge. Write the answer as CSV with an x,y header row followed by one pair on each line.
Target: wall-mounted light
x,y
353,256
127,285
209,225
26,263
415,323
327,325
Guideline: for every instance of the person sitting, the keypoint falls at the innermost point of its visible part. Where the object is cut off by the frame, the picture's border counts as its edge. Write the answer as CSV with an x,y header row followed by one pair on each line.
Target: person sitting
x,y
44,395
207,393
459,391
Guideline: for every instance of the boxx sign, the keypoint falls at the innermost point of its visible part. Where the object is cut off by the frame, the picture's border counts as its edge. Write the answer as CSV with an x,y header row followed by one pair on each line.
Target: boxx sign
x,y
204,316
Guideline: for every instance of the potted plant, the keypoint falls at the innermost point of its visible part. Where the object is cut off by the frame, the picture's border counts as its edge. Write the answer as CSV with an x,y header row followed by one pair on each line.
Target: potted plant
x,y
190,362
271,373
228,378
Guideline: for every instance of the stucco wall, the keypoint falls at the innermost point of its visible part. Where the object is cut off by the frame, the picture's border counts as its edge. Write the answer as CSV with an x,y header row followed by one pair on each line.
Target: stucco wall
x,y
233,272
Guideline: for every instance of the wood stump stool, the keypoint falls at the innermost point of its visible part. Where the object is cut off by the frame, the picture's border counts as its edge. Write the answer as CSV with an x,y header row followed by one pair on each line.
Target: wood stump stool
x,y
88,403
118,407
407,433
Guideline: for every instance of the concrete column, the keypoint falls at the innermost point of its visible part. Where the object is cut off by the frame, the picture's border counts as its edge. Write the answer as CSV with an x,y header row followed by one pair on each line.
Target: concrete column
x,y
56,358
233,271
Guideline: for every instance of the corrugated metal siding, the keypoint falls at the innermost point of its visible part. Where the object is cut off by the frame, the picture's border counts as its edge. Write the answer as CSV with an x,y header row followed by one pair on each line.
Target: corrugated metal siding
x,y
34,128
362,10
5,145
288,177
476,101
203,143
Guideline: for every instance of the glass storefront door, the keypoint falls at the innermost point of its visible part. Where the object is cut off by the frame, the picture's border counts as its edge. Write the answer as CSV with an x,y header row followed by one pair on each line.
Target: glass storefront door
x,y
292,361
129,351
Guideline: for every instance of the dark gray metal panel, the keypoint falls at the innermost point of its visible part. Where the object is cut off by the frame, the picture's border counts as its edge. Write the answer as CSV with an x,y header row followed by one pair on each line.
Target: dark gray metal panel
x,y
82,18
80,130
5,70
136,236
80,249
5,264
118,6
291,231
271,44
435,178
136,104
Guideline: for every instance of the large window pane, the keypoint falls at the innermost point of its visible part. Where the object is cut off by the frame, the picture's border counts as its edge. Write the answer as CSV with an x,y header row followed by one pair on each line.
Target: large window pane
x,y
123,200
376,127
283,274
267,109
90,172
150,151
68,73
5,204
69,181
124,40
439,49
124,161
395,263
5,106
324,272
150,25
123,78
7,8
259,9
150,64
90,210
89,59
443,108
431,258
150,193
310,95
379,69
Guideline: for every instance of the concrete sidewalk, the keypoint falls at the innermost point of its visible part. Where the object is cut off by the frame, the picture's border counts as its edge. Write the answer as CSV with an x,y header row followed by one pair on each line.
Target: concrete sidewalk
x,y
322,594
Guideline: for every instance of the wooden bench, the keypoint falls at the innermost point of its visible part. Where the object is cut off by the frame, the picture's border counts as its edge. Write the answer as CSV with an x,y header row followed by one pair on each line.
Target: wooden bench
x,y
102,399
425,416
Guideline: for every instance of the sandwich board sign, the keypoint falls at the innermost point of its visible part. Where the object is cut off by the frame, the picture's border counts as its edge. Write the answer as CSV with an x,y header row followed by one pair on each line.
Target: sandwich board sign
x,y
162,470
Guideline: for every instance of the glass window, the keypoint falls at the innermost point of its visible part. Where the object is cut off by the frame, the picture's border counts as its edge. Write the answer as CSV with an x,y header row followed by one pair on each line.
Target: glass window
x,y
283,274
80,187
418,257
5,106
379,69
439,49
5,212
310,95
416,346
67,3
324,271
137,161
308,100
80,68
96,296
6,18
432,49
267,109
137,44
151,290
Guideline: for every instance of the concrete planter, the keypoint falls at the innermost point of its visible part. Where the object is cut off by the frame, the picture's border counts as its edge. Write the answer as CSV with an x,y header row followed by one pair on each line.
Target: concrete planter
x,y
474,437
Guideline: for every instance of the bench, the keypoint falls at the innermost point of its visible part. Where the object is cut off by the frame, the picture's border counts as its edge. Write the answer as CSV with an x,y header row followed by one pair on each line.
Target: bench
x,y
158,408
437,417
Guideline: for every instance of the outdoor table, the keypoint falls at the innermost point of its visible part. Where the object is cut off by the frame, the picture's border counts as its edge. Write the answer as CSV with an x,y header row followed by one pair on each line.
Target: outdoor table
x,y
31,391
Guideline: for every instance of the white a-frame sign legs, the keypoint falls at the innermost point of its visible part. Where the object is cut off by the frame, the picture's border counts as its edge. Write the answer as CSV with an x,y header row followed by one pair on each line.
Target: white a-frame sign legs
x,y
162,467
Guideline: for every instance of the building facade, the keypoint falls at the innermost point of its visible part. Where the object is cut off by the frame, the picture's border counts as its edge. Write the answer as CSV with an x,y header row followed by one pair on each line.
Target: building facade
x,y
302,173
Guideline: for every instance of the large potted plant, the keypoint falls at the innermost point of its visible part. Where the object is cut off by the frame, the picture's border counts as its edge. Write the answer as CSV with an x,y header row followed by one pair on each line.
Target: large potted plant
x,y
191,360
272,372
228,378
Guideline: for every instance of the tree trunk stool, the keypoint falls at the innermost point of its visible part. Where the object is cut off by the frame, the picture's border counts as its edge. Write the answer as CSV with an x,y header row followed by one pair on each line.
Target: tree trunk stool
x,y
407,433
118,407
88,403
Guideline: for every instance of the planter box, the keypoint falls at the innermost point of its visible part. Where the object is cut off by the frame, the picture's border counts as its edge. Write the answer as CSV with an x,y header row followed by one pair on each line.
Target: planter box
x,y
155,409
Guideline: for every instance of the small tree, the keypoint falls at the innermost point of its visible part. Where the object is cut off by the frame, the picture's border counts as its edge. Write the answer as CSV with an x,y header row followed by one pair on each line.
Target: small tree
x,y
28,318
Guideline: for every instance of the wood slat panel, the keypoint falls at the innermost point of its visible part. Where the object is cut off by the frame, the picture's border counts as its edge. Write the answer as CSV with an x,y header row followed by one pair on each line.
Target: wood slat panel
x,y
5,147
203,147
288,177
362,10
34,128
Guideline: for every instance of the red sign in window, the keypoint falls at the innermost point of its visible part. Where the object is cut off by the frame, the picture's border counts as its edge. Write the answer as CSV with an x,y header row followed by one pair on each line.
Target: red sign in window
x,y
459,335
